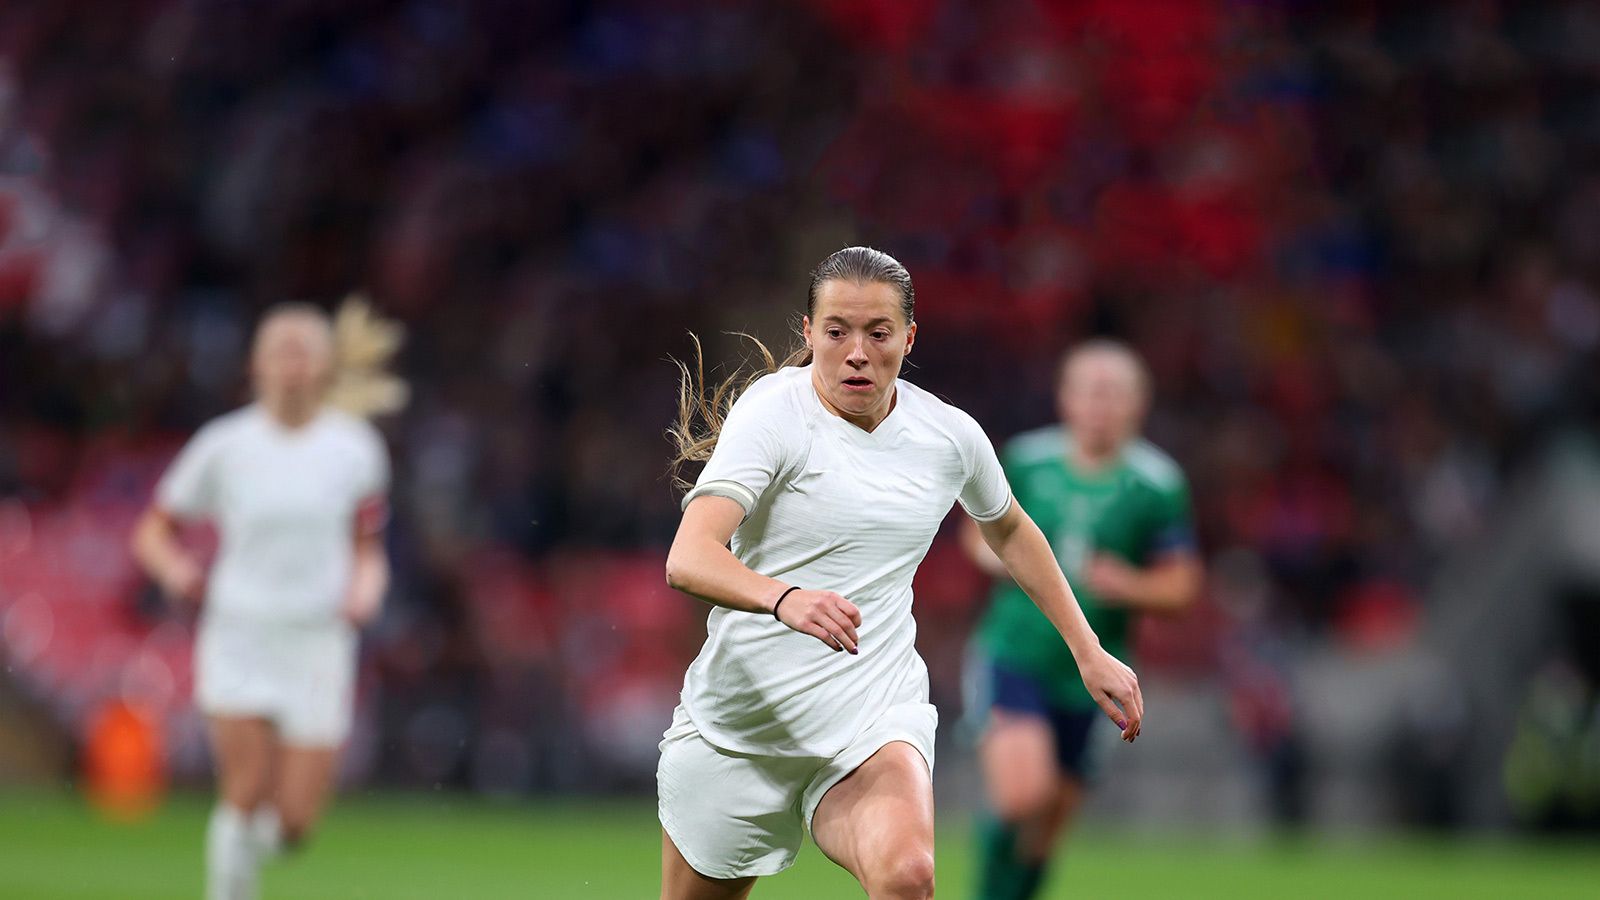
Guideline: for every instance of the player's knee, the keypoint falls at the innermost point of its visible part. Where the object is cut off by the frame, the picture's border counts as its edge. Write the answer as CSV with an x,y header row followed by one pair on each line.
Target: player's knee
x,y
1011,807
1021,800
246,795
909,876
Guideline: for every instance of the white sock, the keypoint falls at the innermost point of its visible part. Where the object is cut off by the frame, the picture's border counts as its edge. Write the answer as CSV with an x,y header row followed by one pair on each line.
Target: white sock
x,y
230,856
266,832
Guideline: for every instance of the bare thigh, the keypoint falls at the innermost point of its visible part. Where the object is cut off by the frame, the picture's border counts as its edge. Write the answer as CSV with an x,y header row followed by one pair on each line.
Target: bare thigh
x,y
878,823
305,779
243,750
680,881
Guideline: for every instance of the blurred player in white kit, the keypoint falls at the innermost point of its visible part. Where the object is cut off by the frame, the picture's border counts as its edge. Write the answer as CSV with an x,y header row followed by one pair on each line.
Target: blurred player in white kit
x,y
296,485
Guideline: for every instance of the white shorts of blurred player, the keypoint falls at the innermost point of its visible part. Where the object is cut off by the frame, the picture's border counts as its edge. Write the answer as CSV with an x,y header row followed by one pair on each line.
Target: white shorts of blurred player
x,y
301,677
734,815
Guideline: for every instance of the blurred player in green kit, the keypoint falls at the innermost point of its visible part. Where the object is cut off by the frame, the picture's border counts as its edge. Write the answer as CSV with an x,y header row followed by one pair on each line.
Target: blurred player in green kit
x,y
1116,511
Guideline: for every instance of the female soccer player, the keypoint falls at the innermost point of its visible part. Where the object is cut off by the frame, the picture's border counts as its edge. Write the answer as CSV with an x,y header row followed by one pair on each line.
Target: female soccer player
x,y
1116,510
807,709
296,489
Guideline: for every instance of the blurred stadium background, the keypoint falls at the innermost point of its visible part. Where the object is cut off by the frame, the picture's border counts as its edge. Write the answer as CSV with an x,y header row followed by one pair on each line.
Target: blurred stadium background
x,y
1359,243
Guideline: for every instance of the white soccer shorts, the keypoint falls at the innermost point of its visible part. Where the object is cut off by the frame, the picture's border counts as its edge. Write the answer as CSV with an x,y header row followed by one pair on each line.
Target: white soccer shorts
x,y
301,677
734,815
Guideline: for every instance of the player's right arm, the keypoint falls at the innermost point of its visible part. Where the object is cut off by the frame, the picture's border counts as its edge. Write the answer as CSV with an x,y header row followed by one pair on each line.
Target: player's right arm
x,y
187,491
161,554
754,444
701,565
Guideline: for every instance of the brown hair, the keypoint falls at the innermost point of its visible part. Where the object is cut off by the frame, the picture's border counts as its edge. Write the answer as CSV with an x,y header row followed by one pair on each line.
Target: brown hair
x,y
702,408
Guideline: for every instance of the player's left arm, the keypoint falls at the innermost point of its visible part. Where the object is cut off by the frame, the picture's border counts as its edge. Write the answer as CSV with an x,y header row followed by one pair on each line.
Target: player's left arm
x,y
369,575
1017,541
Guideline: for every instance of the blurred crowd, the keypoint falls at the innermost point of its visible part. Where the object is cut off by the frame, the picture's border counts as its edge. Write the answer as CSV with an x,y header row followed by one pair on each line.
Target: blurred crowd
x,y
1358,243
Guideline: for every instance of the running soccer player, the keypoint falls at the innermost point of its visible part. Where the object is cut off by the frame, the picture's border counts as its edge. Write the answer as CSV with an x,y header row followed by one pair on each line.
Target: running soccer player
x,y
807,708
296,489
1116,511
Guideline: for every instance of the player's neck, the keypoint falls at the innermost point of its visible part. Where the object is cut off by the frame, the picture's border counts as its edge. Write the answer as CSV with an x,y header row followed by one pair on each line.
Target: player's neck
x,y
868,421
1094,462
291,415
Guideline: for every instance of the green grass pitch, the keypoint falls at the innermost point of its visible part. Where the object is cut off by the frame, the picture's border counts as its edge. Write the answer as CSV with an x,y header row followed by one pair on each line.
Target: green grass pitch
x,y
441,845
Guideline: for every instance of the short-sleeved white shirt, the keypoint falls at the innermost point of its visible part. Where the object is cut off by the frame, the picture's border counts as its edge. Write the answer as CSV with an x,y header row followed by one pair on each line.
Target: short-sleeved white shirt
x,y
829,506
285,504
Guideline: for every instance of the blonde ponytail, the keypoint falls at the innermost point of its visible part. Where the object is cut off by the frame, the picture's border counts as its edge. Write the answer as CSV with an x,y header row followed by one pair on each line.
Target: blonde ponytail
x,y
702,407
364,346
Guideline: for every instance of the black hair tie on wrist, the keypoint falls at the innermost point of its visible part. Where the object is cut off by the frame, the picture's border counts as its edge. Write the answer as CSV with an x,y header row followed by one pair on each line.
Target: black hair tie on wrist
x,y
780,601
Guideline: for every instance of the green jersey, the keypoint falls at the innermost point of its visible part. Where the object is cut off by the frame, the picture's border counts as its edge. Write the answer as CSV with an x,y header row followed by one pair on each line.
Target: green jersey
x,y
1135,509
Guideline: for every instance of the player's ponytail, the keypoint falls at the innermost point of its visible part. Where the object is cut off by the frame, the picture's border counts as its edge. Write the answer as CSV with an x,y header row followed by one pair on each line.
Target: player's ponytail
x,y
703,406
364,346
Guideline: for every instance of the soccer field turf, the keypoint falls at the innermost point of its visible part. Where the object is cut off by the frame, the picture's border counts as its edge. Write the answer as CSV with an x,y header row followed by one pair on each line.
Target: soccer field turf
x,y
433,845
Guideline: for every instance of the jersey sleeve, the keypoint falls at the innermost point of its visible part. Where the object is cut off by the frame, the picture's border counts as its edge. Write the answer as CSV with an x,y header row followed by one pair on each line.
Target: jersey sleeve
x,y
375,465
188,489
753,447
985,494
1173,520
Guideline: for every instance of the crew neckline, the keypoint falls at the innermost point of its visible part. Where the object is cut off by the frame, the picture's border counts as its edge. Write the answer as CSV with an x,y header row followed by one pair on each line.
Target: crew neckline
x,y
889,422
284,432
1106,475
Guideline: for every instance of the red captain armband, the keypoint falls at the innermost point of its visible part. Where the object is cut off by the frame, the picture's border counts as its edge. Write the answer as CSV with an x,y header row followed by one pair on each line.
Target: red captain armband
x,y
372,515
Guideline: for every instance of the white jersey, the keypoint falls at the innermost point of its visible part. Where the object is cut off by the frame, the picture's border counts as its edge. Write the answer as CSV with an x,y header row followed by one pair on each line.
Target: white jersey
x,y
829,506
285,505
